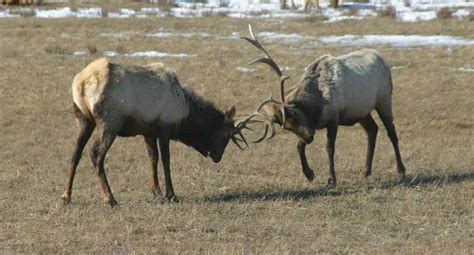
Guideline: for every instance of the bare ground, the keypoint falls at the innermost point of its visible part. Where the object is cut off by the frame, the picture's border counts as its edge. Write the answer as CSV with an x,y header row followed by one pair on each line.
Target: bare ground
x,y
255,201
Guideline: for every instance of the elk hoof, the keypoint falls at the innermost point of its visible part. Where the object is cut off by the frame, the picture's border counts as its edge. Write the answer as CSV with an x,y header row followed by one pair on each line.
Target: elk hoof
x,y
331,183
173,199
66,198
367,174
309,173
156,193
401,179
110,201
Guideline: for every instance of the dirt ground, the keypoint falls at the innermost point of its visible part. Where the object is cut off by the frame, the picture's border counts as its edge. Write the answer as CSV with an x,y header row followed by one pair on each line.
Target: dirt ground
x,y
254,201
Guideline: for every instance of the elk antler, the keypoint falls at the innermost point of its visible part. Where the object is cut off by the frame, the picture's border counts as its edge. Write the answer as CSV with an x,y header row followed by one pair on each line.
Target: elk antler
x,y
249,119
266,119
267,60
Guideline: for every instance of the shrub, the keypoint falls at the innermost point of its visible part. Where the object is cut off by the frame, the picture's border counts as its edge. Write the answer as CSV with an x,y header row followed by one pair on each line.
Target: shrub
x,y
444,13
55,49
390,12
92,49
120,49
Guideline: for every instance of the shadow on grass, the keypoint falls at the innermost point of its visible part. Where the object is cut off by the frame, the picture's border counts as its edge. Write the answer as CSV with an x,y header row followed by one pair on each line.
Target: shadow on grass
x,y
269,195
410,182
431,180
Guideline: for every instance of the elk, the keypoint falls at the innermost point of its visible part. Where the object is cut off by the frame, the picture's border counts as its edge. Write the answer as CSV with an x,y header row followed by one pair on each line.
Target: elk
x,y
333,91
132,100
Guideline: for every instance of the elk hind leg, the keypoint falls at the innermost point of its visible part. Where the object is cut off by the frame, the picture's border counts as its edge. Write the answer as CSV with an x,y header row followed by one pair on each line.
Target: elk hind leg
x,y
152,148
85,129
371,129
99,150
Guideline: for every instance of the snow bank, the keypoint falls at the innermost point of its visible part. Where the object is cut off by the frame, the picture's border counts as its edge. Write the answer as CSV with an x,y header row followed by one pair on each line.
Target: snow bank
x,y
55,13
285,38
245,69
418,11
413,16
466,69
397,41
145,54
6,14
156,54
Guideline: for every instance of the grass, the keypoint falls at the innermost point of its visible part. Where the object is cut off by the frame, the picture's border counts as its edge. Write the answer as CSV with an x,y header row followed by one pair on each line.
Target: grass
x,y
255,201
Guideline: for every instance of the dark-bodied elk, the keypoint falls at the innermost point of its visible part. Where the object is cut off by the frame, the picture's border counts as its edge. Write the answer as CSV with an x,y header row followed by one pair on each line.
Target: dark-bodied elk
x,y
149,101
333,91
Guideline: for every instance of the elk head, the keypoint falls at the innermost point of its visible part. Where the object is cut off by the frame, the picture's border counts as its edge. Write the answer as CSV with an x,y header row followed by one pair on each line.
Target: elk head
x,y
289,116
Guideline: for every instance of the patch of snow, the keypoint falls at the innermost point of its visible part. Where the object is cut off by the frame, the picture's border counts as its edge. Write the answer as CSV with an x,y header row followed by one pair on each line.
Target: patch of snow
x,y
398,67
65,36
110,53
123,13
79,53
461,13
89,13
419,10
413,16
55,13
398,41
6,14
153,11
246,70
178,34
285,38
156,54
466,69
118,35
366,13
340,18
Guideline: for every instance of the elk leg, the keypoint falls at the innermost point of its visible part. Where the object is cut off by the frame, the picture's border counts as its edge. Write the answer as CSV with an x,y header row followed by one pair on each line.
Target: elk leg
x,y
330,147
164,141
153,154
371,129
100,148
387,120
85,129
308,172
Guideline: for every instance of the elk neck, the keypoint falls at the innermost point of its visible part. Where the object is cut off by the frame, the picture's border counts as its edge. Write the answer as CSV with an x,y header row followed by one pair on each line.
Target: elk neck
x,y
203,119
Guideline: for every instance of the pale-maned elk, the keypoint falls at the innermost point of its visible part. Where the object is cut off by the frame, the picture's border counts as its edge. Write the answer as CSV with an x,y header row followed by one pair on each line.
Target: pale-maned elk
x,y
333,91
149,101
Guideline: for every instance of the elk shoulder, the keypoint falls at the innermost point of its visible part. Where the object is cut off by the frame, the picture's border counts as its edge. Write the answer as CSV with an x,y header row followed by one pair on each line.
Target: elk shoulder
x,y
148,93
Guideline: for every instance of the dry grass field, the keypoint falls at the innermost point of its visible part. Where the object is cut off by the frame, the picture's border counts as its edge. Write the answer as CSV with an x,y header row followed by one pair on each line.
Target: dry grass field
x,y
253,201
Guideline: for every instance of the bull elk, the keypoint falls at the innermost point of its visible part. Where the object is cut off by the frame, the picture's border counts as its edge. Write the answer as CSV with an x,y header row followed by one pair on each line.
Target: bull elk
x,y
149,101
333,91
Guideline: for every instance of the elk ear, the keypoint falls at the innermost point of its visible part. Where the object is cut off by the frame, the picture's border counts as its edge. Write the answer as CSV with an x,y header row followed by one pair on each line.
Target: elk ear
x,y
229,114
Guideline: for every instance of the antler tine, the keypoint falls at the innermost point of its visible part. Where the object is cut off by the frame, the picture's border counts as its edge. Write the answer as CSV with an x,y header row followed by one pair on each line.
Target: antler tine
x,y
269,122
263,136
256,113
235,141
267,59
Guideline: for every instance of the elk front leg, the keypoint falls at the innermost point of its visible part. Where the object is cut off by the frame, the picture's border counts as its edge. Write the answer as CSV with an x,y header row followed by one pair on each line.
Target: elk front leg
x,y
387,119
371,129
308,172
164,142
330,147
153,154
